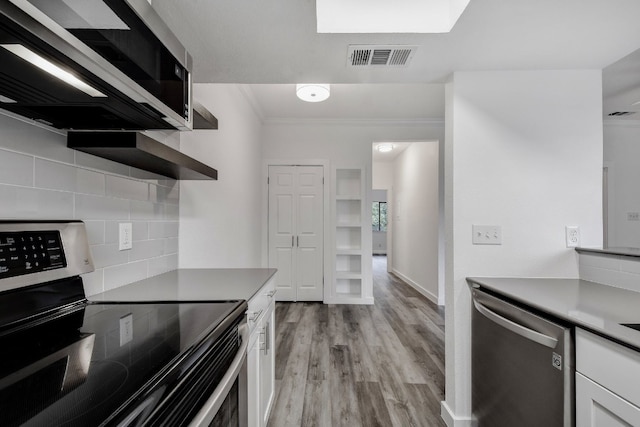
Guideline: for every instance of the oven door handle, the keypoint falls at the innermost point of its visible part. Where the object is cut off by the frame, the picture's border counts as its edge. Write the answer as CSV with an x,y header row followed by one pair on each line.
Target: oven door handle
x,y
205,416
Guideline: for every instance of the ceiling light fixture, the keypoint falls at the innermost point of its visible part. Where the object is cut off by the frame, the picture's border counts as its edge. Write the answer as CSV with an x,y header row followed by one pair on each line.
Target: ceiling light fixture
x,y
313,92
385,148
51,68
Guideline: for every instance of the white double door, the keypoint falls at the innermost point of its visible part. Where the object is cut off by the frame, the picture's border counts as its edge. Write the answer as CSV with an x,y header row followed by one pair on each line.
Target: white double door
x,y
296,210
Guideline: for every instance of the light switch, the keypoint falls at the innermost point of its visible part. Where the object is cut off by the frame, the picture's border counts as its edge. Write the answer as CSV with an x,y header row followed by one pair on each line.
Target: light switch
x,y
486,234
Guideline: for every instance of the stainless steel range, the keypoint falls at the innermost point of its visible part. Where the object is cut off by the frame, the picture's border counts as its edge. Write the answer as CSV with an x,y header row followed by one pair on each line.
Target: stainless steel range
x,y
67,361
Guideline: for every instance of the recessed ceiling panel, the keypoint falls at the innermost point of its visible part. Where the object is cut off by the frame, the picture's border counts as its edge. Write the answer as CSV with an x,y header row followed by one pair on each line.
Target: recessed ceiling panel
x,y
383,16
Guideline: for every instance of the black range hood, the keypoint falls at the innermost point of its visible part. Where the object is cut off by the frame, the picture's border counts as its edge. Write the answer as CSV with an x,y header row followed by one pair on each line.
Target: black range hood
x,y
140,151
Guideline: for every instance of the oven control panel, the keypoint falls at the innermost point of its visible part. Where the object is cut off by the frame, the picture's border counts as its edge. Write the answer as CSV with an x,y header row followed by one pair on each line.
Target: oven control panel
x,y
26,252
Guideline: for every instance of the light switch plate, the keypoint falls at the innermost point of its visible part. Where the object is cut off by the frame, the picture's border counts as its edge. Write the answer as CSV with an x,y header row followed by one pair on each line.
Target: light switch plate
x,y
125,240
487,234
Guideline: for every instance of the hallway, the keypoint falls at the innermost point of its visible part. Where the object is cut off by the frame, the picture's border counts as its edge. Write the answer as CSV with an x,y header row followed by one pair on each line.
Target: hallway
x,y
359,365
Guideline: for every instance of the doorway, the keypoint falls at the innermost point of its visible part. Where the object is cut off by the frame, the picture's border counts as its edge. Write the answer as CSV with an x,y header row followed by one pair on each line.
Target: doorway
x,y
295,236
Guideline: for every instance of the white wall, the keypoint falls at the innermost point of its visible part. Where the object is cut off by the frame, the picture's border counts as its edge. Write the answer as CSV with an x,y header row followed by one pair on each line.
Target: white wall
x,y
415,210
621,154
524,151
382,178
342,144
40,178
220,221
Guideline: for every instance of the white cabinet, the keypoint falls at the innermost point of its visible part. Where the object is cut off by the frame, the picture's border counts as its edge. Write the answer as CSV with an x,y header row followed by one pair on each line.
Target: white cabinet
x,y
607,383
261,355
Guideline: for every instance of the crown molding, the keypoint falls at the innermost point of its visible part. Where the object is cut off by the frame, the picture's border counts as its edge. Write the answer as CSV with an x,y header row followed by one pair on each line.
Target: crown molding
x,y
354,122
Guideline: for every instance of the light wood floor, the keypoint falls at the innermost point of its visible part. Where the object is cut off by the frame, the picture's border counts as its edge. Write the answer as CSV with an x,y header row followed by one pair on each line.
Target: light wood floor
x,y
358,365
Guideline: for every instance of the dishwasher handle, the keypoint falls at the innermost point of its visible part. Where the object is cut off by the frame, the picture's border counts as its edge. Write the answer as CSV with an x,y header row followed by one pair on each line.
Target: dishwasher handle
x,y
516,328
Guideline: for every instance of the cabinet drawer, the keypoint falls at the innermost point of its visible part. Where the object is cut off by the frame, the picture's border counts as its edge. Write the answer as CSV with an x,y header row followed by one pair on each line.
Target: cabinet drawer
x,y
611,365
259,304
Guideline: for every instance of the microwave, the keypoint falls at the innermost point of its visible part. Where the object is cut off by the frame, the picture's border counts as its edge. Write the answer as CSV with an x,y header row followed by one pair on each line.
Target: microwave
x,y
93,65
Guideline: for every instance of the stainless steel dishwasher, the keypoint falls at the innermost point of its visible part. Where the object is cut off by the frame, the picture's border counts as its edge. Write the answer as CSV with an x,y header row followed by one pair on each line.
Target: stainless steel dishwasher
x,y
522,366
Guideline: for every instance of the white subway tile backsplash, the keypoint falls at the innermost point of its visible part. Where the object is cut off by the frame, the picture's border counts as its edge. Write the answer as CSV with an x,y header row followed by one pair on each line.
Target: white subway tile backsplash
x,y
165,194
171,245
612,270
32,203
40,178
16,169
630,265
95,232
145,249
126,188
172,212
163,264
94,207
120,275
22,137
108,255
146,210
158,230
140,230
610,262
59,176
93,282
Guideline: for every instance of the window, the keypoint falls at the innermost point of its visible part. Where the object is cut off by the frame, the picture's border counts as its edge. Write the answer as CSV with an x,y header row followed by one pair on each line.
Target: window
x,y
379,216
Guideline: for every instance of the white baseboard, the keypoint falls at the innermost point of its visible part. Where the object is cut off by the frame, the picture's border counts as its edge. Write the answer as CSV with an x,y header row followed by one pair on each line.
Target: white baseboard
x,y
451,419
349,300
415,286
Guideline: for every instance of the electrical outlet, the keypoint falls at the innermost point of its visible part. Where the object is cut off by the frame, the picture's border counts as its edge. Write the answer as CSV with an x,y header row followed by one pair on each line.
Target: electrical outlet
x,y
125,240
633,216
572,235
486,234
126,329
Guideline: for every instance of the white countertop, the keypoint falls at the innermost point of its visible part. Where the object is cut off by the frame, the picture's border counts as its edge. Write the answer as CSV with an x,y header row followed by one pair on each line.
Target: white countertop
x,y
593,306
212,284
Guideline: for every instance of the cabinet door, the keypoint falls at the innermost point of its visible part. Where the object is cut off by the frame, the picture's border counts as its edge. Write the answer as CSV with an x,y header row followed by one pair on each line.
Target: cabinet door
x,y
598,407
253,380
267,364
296,231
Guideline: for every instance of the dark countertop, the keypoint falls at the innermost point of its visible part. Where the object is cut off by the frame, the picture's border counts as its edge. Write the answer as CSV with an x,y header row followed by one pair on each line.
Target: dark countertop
x,y
593,306
619,251
197,284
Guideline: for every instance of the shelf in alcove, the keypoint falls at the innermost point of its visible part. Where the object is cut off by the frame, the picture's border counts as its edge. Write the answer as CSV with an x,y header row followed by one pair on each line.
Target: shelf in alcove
x,y
348,251
348,197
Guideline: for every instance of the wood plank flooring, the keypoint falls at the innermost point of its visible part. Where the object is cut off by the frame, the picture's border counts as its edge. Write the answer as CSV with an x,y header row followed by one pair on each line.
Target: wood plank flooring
x,y
358,365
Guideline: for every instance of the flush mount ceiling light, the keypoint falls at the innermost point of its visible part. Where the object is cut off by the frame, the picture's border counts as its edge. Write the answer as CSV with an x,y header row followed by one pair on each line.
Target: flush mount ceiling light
x,y
51,68
385,148
399,16
313,92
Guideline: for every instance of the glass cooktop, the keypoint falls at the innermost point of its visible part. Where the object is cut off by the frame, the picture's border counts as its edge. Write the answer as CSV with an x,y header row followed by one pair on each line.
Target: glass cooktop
x,y
79,368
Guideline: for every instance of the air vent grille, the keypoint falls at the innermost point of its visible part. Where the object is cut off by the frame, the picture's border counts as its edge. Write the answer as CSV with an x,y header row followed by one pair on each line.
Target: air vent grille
x,y
379,56
621,113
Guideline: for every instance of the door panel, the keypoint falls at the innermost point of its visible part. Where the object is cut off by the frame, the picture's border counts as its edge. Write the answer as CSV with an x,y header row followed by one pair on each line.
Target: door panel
x,y
296,221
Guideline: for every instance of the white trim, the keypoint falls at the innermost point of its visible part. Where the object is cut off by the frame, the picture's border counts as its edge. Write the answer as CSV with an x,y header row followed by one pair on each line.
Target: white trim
x,y
349,300
433,298
356,122
451,419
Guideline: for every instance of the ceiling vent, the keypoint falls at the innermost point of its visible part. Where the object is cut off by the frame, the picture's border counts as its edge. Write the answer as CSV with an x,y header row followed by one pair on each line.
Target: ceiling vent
x,y
621,113
380,56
